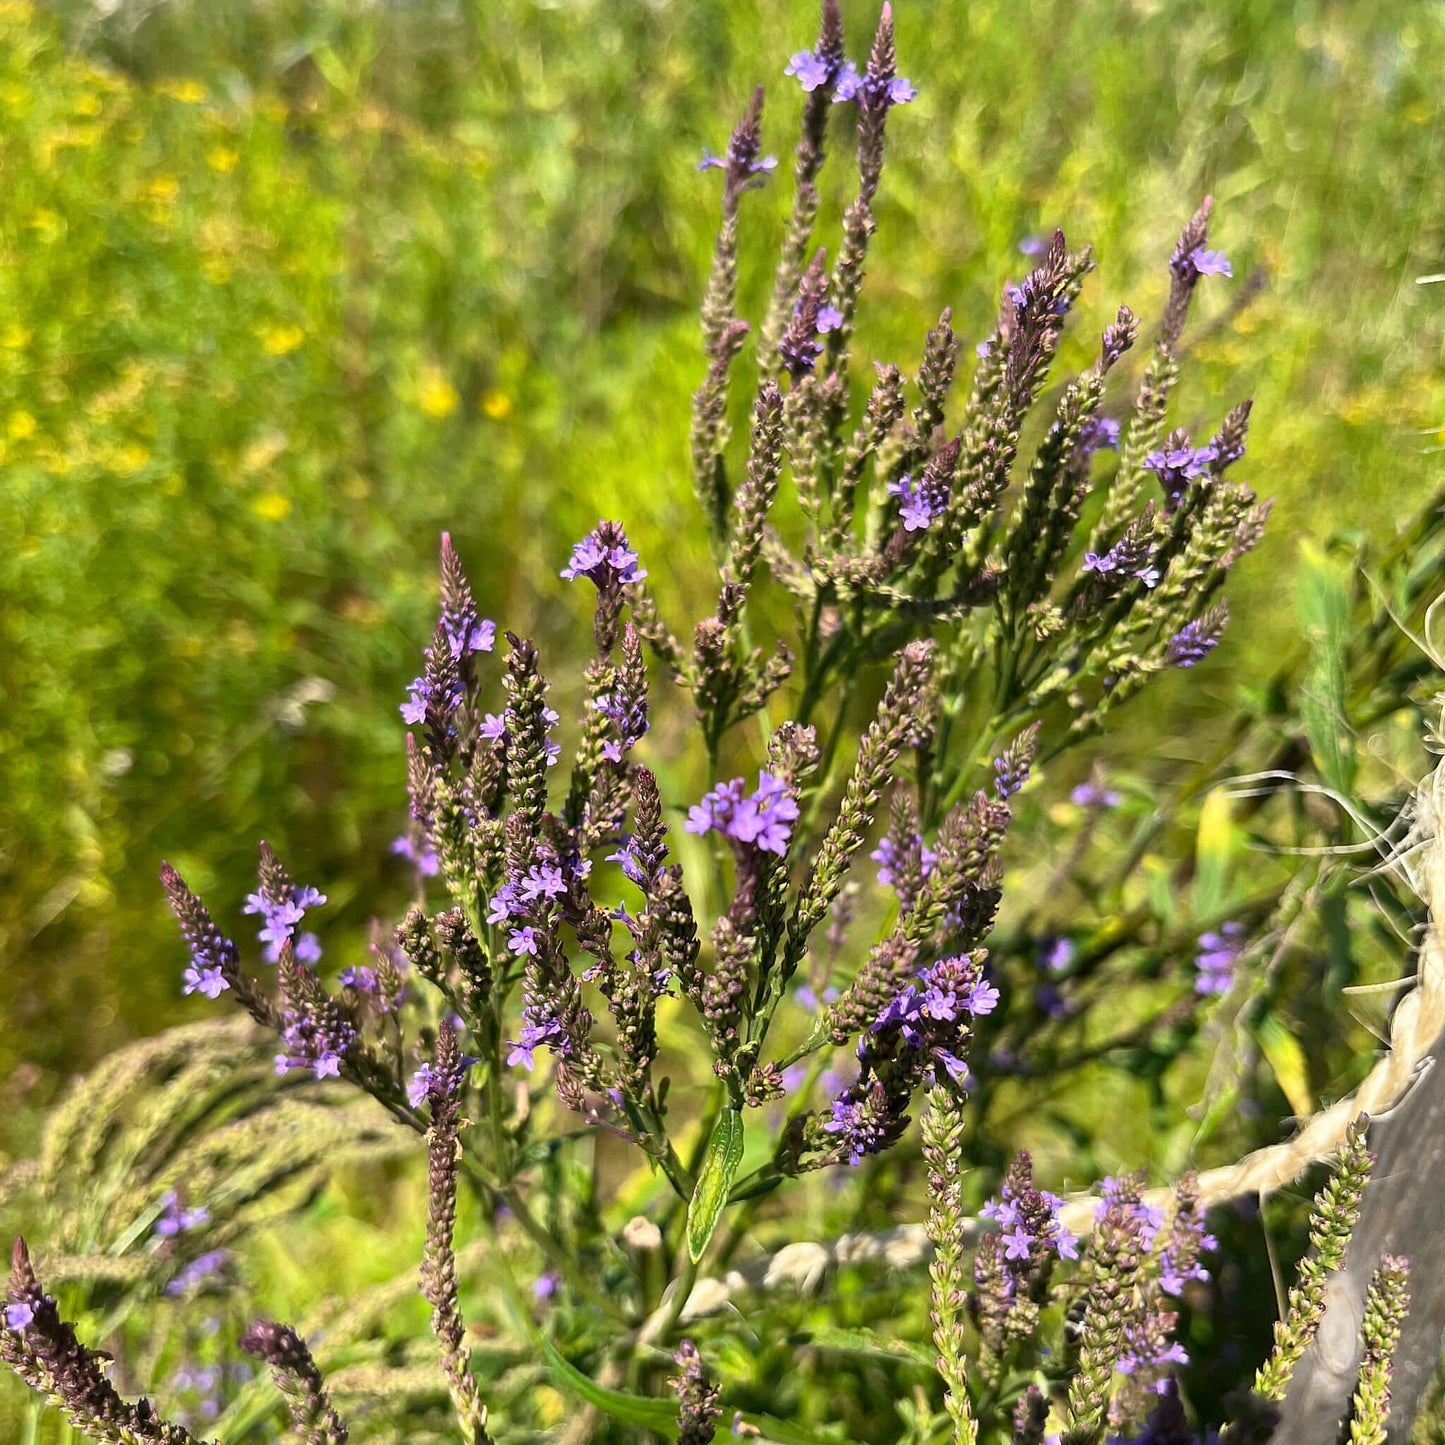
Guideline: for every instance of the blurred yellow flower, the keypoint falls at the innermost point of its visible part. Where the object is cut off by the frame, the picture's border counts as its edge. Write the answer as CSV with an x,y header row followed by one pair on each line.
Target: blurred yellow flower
x,y
20,426
163,190
129,458
272,506
497,405
15,336
436,396
222,158
189,92
87,103
278,340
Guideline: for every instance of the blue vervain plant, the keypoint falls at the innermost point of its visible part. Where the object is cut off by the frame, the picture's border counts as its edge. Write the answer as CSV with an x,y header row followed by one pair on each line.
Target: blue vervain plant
x,y
985,613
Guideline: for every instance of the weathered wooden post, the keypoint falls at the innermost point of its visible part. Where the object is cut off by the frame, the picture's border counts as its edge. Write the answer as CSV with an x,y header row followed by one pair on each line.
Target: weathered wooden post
x,y
1403,1212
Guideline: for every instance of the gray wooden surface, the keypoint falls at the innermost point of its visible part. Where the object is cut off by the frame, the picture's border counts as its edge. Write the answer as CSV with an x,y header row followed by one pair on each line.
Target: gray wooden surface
x,y
1403,1212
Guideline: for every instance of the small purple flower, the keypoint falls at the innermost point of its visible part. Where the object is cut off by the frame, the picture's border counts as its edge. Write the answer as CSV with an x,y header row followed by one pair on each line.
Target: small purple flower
x,y
1017,1242
549,1033
543,880
198,1272
363,980
829,318
546,1285
765,165
523,940
19,1315
1210,263
811,70
848,83
505,904
920,502
418,1086
206,979
493,728
422,857
174,1220
1218,953
1056,954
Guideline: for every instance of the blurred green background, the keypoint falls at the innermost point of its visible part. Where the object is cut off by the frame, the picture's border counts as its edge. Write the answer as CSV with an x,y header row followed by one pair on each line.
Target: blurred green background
x,y
288,287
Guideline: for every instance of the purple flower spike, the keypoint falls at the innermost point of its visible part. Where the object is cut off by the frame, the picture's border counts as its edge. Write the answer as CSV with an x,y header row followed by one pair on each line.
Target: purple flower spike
x,y
1210,263
1196,640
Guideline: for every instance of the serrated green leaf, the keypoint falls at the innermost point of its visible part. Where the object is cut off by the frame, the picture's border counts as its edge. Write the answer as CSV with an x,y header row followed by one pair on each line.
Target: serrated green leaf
x,y
1286,1058
659,1415
714,1180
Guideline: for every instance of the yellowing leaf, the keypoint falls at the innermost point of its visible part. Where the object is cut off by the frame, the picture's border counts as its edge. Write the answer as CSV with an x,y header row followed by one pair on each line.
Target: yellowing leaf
x,y
1286,1058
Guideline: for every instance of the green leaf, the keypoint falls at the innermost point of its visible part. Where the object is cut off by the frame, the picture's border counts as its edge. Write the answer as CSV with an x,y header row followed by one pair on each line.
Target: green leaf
x,y
1323,607
659,1415
714,1180
868,1342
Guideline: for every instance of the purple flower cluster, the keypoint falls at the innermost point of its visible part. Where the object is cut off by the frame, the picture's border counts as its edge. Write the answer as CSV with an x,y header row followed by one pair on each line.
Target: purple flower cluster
x,y
763,820
1094,794
281,911
198,1272
1219,951
316,1039
1121,1194
605,556
628,715
1010,774
1196,640
891,857
1103,434
174,1220
928,1012
1177,466
1029,1224
538,1031
813,71
212,953
1122,559
920,502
